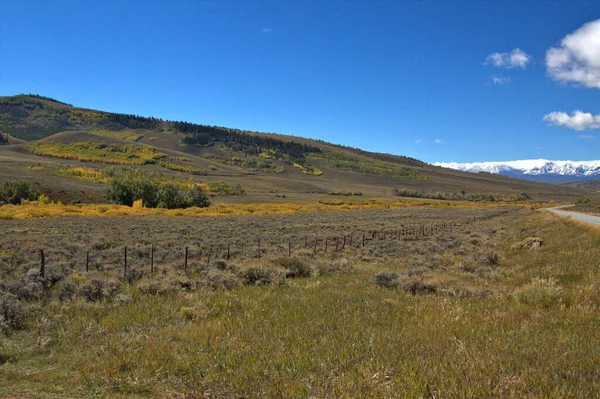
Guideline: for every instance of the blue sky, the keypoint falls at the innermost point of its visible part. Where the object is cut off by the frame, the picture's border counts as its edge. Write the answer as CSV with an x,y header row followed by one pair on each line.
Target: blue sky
x,y
389,76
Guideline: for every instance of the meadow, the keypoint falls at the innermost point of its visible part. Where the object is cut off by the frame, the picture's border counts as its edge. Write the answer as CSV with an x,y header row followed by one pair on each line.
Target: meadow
x,y
35,209
128,154
503,303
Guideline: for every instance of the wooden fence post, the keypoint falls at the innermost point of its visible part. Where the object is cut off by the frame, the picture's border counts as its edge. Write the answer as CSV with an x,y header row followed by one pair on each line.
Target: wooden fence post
x,y
186,259
228,251
152,259
289,249
326,245
259,248
125,263
42,264
87,261
363,243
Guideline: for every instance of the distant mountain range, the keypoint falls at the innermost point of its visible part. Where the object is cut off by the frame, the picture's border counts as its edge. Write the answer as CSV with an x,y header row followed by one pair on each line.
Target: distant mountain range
x,y
540,170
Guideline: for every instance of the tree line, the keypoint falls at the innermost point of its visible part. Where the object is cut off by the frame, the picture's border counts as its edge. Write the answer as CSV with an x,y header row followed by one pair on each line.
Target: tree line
x,y
239,140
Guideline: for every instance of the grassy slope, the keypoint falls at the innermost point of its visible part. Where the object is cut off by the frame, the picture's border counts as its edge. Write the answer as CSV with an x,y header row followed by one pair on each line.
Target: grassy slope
x,y
588,184
337,336
261,186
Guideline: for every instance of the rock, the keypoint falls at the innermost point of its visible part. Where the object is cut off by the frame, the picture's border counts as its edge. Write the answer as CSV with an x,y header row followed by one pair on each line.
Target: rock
x,y
528,243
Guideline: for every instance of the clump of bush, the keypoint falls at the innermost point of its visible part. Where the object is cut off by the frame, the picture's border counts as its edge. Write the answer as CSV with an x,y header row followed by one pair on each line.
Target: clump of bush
x,y
419,287
261,275
386,279
96,290
222,188
66,290
15,191
12,313
194,312
216,278
161,288
461,196
92,291
30,286
490,258
541,292
128,189
132,275
297,268
328,268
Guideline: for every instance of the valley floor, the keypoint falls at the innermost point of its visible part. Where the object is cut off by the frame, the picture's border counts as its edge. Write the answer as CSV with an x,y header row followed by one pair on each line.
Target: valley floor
x,y
460,311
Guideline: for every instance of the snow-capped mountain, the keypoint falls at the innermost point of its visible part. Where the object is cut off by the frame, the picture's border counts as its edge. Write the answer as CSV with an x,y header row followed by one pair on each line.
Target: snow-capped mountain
x,y
534,169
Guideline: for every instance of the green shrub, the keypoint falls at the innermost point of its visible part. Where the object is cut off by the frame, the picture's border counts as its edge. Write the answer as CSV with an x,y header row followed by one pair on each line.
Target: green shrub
x,y
66,290
12,314
132,275
223,188
386,279
93,290
225,279
128,189
256,275
15,191
419,287
297,268
461,196
541,292
328,268
195,196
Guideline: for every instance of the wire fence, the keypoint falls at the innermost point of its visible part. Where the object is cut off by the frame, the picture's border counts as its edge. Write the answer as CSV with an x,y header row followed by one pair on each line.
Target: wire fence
x,y
258,247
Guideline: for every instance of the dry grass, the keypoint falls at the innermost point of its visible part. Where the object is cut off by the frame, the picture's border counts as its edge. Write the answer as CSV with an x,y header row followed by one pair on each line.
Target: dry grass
x,y
36,210
591,208
522,324
129,135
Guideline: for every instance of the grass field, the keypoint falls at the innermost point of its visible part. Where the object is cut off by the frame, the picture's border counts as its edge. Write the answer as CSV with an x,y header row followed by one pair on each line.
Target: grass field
x,y
592,207
36,210
459,312
308,276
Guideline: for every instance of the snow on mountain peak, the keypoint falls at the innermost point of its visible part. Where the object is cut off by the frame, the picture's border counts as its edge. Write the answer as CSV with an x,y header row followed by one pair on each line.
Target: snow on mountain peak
x,y
529,167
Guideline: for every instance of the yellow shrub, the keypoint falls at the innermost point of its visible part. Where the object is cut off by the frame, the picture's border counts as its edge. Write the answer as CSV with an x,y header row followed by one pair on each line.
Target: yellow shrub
x,y
44,199
34,210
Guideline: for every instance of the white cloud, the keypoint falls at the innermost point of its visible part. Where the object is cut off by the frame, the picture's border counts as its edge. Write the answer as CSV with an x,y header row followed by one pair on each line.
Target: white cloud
x,y
267,30
438,141
417,141
500,80
577,59
578,120
586,136
515,59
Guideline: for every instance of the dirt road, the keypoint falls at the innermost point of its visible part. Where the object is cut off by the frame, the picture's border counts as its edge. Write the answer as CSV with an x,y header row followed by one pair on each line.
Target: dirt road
x,y
581,217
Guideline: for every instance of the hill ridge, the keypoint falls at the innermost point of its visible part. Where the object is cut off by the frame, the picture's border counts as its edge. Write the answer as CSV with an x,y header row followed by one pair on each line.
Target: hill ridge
x,y
271,167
